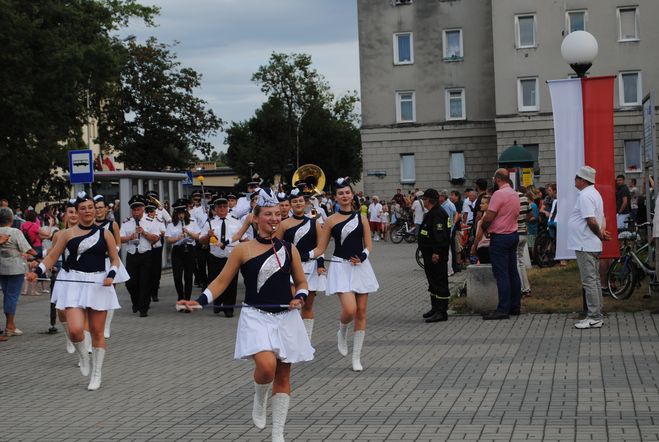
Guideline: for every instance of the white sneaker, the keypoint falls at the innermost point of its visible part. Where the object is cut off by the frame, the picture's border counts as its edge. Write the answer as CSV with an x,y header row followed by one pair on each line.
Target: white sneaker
x,y
589,323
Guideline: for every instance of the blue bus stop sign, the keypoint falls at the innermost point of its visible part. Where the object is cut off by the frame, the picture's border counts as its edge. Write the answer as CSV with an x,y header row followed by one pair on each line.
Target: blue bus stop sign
x,y
188,179
81,167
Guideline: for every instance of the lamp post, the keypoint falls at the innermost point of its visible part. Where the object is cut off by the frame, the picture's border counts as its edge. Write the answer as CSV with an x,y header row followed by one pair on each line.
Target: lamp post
x,y
579,49
297,141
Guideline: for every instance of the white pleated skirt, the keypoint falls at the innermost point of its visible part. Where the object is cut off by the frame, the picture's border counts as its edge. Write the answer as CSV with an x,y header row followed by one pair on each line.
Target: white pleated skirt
x,y
281,333
316,282
88,293
345,277
122,274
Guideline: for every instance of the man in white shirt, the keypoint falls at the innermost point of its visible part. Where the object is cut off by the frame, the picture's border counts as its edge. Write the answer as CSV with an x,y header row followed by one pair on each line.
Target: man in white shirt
x,y
223,227
468,208
585,235
198,214
139,233
162,215
156,251
243,205
417,209
375,216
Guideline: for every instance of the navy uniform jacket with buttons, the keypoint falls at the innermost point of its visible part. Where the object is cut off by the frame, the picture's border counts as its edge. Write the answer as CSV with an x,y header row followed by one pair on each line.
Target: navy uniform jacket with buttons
x,y
435,231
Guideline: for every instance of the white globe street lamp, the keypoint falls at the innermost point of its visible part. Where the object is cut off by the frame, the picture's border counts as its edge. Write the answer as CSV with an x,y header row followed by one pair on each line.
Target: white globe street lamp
x,y
579,49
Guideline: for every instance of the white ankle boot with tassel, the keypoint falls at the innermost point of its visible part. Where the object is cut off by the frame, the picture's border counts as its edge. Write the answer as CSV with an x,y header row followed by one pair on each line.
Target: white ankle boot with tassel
x,y
98,355
261,393
358,342
342,338
280,402
81,348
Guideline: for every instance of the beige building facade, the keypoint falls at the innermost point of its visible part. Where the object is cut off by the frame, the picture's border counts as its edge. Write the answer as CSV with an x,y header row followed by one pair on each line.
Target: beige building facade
x,y
447,85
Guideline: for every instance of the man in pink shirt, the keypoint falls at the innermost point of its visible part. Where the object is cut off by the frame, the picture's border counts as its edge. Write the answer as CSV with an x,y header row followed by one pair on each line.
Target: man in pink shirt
x,y
500,223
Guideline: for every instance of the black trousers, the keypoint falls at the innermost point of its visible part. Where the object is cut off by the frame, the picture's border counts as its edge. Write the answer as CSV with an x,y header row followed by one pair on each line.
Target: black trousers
x,y
183,265
141,280
156,271
215,266
437,276
201,258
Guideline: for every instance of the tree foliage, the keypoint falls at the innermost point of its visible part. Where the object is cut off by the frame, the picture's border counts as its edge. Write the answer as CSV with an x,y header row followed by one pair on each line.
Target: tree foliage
x,y
300,111
59,59
153,119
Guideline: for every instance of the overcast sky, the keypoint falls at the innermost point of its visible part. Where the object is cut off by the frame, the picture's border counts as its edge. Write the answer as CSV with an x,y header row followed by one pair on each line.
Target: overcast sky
x,y
227,40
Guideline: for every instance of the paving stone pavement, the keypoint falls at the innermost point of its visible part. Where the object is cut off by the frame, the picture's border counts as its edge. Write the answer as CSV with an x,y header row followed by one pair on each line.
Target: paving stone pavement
x,y
171,376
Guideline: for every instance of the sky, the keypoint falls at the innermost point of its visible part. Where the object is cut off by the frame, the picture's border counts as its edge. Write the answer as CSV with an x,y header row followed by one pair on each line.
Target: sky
x,y
227,40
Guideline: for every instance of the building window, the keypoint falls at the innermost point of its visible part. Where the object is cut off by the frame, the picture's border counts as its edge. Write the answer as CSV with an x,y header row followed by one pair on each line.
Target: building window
x,y
405,112
525,27
403,48
576,21
407,168
455,104
630,90
633,156
457,165
452,43
628,24
527,94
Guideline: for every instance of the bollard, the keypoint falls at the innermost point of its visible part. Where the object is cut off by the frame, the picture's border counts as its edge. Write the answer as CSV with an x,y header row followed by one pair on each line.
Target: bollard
x,y
481,288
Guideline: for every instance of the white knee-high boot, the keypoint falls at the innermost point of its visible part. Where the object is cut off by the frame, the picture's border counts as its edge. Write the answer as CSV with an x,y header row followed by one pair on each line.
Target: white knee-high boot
x,y
342,338
88,341
98,355
81,348
261,393
280,403
308,326
358,342
108,321
70,349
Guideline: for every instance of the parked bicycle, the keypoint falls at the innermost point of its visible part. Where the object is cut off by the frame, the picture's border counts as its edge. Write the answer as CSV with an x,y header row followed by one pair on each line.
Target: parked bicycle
x,y
402,230
544,251
637,260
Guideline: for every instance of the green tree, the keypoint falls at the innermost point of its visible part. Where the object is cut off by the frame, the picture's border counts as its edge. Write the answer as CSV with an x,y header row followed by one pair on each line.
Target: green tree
x,y
300,112
154,120
59,59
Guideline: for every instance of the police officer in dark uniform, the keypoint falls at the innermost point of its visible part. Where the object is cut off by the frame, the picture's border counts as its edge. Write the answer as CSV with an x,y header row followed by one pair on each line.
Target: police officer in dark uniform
x,y
434,242
138,234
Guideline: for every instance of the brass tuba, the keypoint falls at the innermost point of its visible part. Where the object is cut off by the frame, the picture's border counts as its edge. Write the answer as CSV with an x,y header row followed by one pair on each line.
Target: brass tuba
x,y
155,201
313,177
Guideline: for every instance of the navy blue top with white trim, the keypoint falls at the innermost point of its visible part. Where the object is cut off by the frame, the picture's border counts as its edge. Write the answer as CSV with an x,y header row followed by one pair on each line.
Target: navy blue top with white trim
x,y
86,253
348,237
303,236
268,277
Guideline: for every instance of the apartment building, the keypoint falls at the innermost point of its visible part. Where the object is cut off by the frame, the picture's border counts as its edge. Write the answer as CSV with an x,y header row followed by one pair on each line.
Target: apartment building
x,y
447,85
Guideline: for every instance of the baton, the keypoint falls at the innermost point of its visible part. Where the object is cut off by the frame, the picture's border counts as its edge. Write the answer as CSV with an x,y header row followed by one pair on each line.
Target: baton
x,y
199,307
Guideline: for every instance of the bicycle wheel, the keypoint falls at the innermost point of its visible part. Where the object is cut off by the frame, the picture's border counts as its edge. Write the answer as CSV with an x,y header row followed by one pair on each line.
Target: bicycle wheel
x,y
410,237
419,257
621,278
396,234
545,250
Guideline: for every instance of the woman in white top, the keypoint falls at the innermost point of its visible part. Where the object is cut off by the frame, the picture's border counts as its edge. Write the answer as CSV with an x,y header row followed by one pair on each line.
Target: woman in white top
x,y
182,233
384,216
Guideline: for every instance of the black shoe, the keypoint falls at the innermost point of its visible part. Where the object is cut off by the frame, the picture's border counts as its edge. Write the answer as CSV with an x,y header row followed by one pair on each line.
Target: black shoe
x,y
52,330
438,316
228,314
514,313
134,309
217,310
155,299
429,313
495,316
143,314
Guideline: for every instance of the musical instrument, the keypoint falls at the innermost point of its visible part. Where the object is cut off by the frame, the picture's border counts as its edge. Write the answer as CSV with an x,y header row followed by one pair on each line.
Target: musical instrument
x,y
155,201
313,177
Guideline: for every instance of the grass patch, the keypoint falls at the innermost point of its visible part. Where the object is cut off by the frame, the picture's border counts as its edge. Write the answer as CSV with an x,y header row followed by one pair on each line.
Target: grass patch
x,y
558,290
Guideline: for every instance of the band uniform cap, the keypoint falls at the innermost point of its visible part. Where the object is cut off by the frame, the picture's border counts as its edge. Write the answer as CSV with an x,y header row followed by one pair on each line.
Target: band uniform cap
x,y
253,184
231,196
196,194
137,201
151,193
220,200
180,204
431,194
587,173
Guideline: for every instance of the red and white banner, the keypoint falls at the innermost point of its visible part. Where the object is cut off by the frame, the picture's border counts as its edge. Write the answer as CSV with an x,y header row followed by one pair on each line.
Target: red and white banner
x,y
583,135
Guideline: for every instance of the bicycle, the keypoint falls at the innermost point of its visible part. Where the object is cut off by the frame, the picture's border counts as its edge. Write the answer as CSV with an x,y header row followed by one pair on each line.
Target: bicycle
x,y
635,263
544,250
419,257
402,230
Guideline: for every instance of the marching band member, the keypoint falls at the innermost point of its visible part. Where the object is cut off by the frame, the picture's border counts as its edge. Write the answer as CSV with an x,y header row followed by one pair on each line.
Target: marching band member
x,y
93,293
156,250
303,232
231,198
223,228
200,216
103,222
182,233
243,206
352,277
272,335
284,205
139,233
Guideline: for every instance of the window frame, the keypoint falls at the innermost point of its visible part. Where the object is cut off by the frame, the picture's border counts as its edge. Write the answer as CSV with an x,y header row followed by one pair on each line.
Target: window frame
x,y
568,22
518,41
520,95
621,89
447,103
619,9
640,155
403,179
397,61
445,56
399,110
